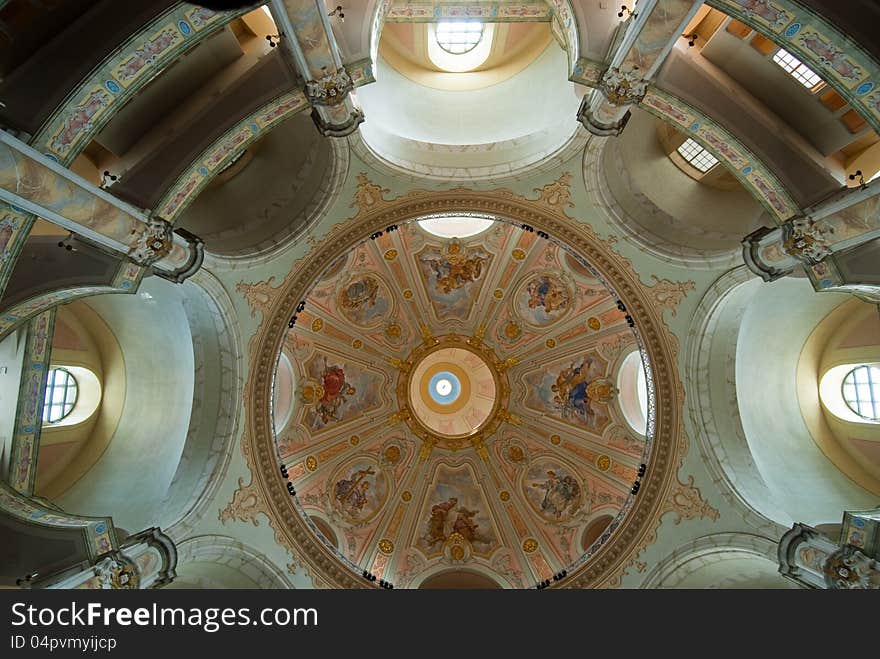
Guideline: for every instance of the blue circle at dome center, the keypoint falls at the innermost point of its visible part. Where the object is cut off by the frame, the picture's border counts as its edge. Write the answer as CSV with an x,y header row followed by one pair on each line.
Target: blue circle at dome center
x,y
444,388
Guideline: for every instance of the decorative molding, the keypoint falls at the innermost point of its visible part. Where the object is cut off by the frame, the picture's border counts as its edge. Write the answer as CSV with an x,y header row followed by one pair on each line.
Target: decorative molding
x,y
31,394
375,212
755,176
494,12
623,87
669,294
123,74
203,170
844,64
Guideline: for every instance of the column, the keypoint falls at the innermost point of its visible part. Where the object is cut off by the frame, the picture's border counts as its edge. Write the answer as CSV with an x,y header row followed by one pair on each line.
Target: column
x,y
36,184
633,61
145,560
849,561
816,238
311,51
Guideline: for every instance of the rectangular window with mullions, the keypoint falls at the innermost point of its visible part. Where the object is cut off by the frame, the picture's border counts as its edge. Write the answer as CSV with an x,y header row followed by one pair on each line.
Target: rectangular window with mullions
x,y
697,156
797,69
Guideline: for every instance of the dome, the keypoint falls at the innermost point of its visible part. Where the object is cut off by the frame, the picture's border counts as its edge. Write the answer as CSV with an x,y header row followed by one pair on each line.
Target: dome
x,y
455,404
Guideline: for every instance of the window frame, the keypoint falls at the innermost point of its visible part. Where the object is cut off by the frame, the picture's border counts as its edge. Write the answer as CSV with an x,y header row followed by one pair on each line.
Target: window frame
x,y
873,387
48,396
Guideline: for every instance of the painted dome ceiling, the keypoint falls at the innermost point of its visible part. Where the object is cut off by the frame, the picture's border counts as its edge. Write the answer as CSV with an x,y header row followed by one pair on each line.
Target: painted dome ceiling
x,y
450,405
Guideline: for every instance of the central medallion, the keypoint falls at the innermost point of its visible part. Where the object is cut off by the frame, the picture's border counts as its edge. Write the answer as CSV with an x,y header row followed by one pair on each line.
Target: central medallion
x,y
453,391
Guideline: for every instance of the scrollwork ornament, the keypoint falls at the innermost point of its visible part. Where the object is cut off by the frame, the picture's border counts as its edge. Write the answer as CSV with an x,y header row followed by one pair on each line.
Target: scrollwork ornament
x,y
623,87
806,240
331,89
153,244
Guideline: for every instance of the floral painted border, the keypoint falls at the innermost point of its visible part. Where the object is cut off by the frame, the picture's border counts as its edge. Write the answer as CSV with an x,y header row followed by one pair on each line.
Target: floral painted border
x,y
227,147
841,62
127,280
751,172
498,12
98,532
124,73
29,413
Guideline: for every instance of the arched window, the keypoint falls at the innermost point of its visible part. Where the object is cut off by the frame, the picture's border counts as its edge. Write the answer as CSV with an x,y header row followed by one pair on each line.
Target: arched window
x,y
455,226
459,46
633,387
852,392
459,37
61,395
861,391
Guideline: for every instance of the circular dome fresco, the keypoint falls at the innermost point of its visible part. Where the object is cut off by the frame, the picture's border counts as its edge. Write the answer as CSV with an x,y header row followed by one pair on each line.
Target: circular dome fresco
x,y
454,408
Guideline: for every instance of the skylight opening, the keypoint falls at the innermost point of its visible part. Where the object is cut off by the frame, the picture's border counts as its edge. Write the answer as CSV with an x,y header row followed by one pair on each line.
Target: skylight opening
x,y
455,226
697,156
797,69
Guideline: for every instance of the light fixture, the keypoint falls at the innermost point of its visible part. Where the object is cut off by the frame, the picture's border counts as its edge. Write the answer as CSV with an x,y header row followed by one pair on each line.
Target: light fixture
x,y
858,175
338,13
692,39
108,179
273,39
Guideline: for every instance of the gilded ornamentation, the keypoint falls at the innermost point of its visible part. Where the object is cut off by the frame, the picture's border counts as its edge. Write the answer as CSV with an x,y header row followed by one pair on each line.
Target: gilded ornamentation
x,y
392,454
311,463
369,196
806,240
390,255
317,325
330,89
259,296
355,440
246,504
550,343
556,195
386,546
406,495
543,215
555,439
504,495
594,324
687,503
669,294
153,244
518,254
603,463
498,294
623,87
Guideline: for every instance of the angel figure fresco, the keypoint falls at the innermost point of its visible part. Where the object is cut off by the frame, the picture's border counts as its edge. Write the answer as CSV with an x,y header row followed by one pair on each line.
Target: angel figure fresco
x,y
352,492
560,494
454,268
547,292
335,389
360,293
570,391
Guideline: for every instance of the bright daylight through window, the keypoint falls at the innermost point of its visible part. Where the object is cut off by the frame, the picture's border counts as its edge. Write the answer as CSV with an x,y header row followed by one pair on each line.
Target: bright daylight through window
x,y
861,391
460,36
61,393
697,155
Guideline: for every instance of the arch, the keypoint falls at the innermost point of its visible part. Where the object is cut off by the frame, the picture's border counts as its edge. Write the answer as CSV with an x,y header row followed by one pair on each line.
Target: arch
x,y
376,214
722,560
749,426
641,221
163,333
844,64
458,579
217,561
